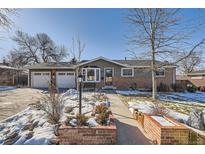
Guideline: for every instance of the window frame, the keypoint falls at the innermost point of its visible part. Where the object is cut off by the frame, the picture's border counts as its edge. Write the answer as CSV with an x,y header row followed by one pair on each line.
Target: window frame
x,y
158,76
122,75
95,73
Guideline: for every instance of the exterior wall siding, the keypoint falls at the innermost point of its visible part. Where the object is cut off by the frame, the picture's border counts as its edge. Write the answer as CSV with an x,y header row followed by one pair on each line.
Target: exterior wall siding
x,y
141,79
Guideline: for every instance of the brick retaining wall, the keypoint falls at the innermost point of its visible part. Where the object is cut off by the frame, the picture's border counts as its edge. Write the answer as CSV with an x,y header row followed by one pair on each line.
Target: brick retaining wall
x,y
177,134
87,135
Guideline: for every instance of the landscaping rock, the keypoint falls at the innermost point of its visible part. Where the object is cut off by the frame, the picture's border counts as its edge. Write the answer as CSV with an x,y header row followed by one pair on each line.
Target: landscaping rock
x,y
56,130
6,132
29,135
35,124
70,92
73,122
196,119
11,139
92,122
68,109
1,127
30,126
53,141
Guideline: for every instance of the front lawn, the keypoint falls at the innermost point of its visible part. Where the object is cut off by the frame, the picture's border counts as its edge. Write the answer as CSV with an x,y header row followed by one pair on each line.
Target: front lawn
x,y
176,105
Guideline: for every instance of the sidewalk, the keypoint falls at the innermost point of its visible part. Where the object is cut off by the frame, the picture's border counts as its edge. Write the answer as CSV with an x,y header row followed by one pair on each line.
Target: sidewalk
x,y
127,131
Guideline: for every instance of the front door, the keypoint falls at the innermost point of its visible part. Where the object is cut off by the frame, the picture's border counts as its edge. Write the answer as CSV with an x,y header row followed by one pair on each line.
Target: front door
x,y
108,76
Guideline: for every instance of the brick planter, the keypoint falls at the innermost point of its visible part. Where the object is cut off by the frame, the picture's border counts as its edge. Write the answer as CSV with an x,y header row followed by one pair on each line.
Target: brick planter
x,y
87,135
176,134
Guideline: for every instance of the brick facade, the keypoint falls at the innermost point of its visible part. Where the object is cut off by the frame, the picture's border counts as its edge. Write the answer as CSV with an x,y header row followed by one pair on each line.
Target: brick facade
x,y
100,135
140,80
165,135
197,82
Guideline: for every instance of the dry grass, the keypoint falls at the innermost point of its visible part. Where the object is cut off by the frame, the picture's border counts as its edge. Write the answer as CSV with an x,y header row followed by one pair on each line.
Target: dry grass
x,y
181,108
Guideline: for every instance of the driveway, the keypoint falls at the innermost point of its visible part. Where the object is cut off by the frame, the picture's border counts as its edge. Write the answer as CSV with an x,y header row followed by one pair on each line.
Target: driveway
x,y
14,101
127,130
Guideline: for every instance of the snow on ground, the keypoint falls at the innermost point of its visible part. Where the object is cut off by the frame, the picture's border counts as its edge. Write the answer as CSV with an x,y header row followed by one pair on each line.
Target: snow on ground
x,y
131,92
6,88
148,107
31,127
142,106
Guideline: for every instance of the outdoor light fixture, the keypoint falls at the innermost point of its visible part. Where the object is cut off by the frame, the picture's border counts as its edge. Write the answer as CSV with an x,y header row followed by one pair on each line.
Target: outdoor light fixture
x,y
80,79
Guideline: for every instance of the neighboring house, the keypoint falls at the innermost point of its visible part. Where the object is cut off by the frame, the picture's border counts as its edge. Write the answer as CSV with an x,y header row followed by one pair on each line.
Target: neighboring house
x,y
11,76
100,73
7,74
197,78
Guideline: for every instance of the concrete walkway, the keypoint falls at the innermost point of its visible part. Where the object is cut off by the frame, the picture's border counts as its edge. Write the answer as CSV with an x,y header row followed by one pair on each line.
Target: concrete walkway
x,y
127,130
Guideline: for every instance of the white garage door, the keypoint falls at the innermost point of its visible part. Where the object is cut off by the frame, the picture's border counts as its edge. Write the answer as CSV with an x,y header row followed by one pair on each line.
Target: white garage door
x,y
65,79
40,79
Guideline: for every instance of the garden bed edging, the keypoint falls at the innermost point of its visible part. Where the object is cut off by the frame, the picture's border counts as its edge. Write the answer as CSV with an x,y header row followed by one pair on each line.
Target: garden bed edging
x,y
85,135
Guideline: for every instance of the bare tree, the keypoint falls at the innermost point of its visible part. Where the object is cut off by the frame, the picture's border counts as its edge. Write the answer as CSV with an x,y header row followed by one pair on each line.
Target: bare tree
x,y
5,19
190,63
35,49
49,51
78,47
160,33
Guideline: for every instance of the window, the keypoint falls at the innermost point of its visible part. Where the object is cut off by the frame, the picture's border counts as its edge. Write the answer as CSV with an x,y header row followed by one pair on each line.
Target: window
x,y
61,73
70,73
127,72
45,73
91,74
37,73
160,73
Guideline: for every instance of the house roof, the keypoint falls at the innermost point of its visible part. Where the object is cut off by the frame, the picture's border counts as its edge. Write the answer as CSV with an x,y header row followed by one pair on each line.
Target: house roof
x,y
181,77
141,63
124,63
199,72
51,65
7,67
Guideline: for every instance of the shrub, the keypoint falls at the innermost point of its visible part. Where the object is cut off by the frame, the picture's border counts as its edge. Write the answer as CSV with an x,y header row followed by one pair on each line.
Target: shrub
x,y
134,86
103,118
163,88
159,109
99,109
100,97
52,104
81,120
191,88
178,87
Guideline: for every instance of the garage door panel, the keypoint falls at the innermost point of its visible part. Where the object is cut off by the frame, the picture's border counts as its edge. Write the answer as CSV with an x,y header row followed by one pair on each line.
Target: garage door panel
x,y
65,79
40,79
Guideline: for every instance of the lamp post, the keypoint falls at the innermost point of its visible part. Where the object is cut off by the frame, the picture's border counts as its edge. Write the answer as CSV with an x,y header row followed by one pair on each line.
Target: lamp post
x,y
80,78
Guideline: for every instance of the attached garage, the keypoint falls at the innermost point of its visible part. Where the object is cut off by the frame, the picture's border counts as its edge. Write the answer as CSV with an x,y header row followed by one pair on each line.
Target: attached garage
x,y
40,79
65,79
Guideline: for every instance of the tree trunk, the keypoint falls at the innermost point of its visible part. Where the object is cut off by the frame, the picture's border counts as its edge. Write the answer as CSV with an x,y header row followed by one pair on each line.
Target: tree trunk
x,y
154,87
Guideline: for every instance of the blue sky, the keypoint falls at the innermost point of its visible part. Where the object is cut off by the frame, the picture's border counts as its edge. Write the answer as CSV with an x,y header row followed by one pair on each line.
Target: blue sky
x,y
102,30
